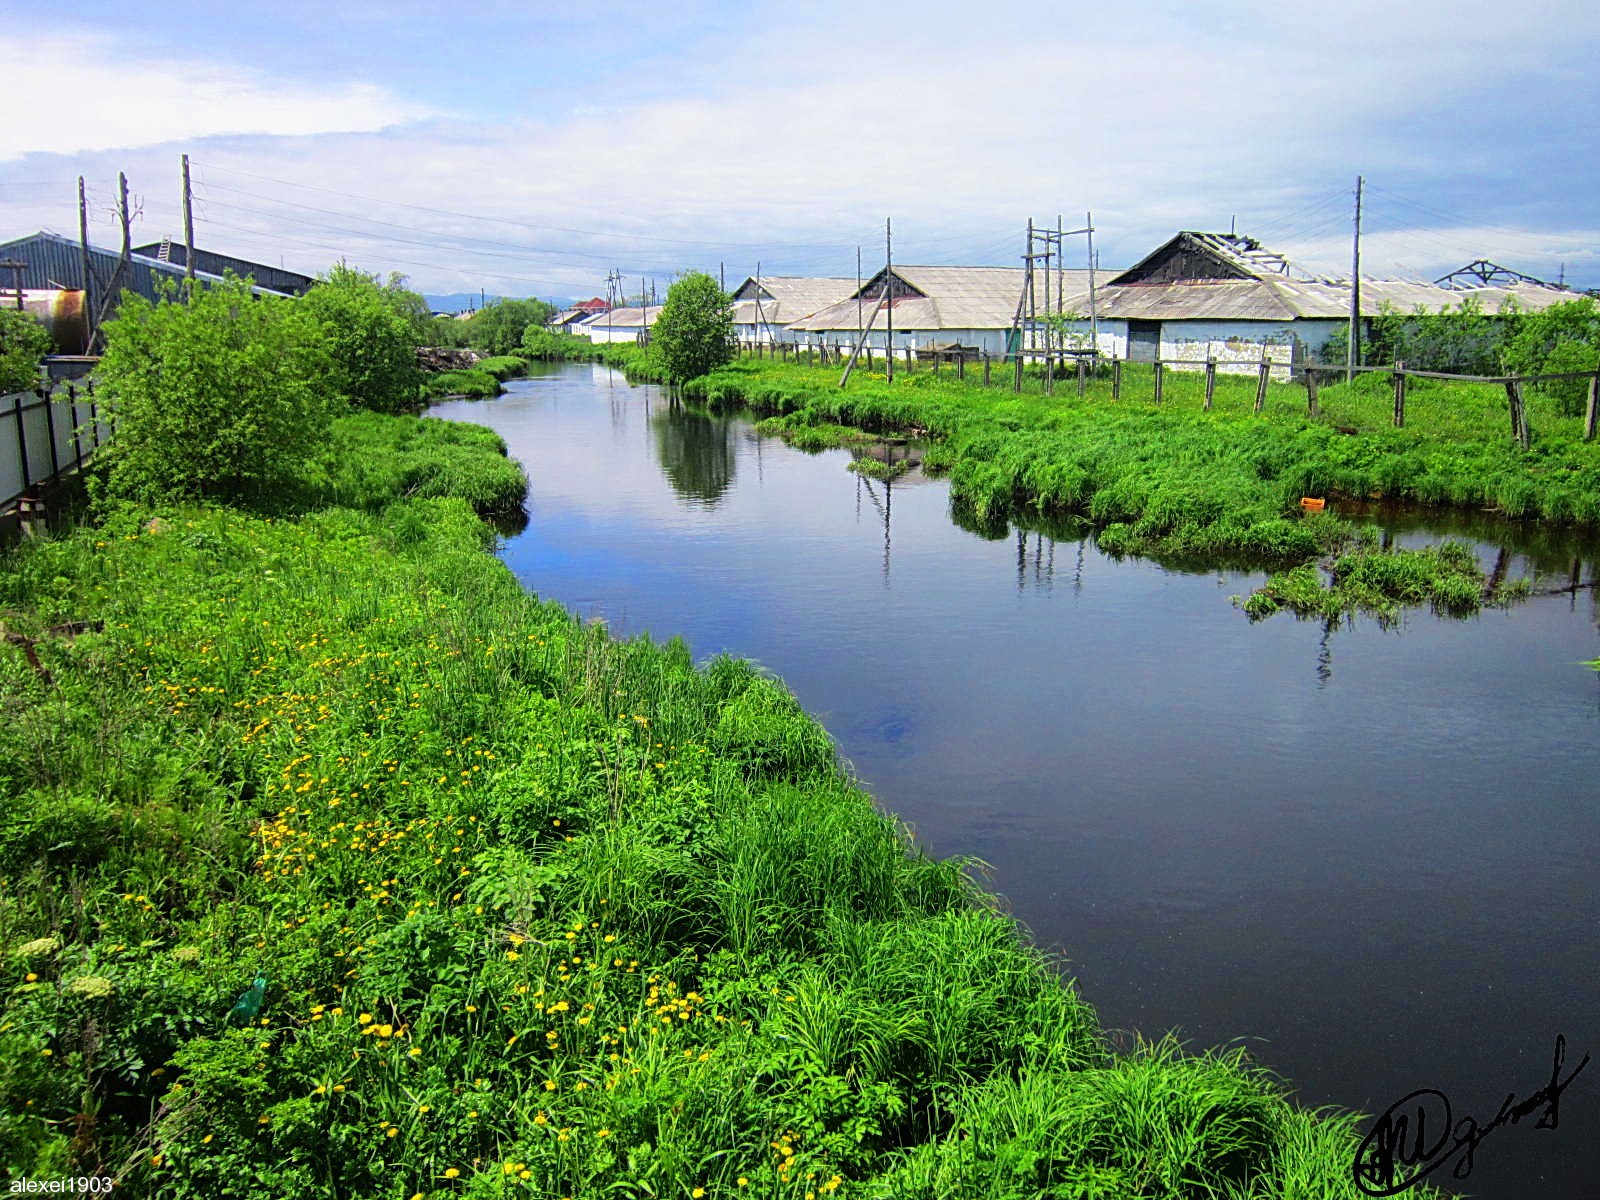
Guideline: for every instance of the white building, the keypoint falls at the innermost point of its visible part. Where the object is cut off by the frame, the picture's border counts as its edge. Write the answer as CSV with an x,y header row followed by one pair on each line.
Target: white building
x,y
619,324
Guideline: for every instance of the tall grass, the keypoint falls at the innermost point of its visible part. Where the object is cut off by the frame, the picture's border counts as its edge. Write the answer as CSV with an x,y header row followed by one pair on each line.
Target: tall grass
x,y
541,912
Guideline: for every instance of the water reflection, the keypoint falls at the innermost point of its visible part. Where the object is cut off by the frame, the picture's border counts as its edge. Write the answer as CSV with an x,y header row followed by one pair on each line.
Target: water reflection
x,y
696,452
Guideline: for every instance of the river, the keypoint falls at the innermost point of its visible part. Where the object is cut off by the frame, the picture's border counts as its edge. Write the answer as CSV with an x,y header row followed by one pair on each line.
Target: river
x,y
1365,854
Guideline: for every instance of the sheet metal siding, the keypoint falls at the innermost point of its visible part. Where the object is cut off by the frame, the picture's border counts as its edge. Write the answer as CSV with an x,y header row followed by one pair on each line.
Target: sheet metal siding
x,y
54,261
278,279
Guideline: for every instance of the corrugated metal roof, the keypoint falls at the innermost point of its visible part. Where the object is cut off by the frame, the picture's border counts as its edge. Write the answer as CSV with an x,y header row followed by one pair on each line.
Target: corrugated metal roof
x,y
278,279
1282,299
54,261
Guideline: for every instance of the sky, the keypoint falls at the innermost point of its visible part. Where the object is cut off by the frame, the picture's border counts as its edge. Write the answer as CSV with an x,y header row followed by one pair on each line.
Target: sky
x,y
530,148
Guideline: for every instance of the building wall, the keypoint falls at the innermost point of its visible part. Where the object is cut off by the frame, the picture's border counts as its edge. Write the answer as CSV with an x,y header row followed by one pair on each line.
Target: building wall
x,y
613,333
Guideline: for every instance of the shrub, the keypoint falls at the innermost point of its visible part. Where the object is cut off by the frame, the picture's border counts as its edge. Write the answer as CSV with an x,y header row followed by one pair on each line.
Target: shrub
x,y
23,342
371,342
223,397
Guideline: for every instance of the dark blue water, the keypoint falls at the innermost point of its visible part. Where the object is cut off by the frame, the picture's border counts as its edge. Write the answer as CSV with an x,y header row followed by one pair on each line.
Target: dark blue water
x,y
1366,854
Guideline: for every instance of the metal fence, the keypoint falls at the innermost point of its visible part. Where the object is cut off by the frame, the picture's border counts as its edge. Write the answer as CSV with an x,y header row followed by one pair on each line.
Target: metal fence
x,y
46,434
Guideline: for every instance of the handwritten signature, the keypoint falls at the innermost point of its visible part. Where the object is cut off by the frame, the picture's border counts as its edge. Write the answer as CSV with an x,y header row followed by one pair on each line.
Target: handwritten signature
x,y
1399,1140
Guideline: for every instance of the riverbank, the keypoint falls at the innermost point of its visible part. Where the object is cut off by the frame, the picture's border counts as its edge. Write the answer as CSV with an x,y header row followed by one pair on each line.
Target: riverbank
x,y
1180,484
537,911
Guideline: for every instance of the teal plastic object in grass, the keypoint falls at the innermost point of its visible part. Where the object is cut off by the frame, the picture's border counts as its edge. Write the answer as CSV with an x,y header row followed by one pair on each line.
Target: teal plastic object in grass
x,y
248,1006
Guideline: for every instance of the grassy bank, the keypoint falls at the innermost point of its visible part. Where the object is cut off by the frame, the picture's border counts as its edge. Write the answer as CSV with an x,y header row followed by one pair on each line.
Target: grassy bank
x,y
1181,484
529,910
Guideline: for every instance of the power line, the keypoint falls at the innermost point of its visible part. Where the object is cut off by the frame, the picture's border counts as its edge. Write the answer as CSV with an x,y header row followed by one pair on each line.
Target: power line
x,y
611,233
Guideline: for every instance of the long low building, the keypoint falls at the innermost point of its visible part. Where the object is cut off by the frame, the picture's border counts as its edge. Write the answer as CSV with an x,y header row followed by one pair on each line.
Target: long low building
x,y
619,324
1197,296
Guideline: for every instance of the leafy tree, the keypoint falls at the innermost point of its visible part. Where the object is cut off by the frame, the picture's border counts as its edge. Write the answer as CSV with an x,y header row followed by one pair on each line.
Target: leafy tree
x,y
693,335
224,397
498,328
23,342
410,305
1564,337
370,339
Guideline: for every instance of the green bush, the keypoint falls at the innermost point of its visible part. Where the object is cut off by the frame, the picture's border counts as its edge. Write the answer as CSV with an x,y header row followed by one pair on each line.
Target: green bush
x,y
23,342
371,340
224,397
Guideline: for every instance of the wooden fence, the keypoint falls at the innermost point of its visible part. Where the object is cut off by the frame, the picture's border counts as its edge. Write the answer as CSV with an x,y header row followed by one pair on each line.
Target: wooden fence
x,y
1081,367
44,435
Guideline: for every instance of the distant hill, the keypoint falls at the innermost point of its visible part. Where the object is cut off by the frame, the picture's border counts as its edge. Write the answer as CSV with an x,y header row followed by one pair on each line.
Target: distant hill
x,y
461,301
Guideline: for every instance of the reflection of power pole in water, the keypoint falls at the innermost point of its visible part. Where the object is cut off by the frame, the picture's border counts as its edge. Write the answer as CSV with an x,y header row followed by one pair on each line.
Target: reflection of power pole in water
x,y
888,508
1022,559
1077,570
884,509
1325,656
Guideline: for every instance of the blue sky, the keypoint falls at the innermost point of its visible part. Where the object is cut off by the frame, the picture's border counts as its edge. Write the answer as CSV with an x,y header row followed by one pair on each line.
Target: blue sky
x,y
528,148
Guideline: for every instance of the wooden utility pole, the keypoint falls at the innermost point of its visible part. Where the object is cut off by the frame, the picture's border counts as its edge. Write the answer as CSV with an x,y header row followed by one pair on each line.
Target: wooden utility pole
x,y
860,325
1353,352
127,250
1094,316
888,293
89,326
188,228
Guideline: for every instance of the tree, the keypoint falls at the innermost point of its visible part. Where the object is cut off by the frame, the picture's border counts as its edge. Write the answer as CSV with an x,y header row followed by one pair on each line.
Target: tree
x,y
693,335
1564,337
498,328
224,397
370,339
23,342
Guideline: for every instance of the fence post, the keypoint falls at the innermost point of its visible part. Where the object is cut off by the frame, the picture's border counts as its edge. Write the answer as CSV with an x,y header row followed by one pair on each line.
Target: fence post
x,y
50,435
1211,381
1519,422
1311,393
22,441
985,368
77,444
1049,374
1399,395
1589,413
1083,377
937,359
961,364
1158,381
1116,378
1016,378
1263,373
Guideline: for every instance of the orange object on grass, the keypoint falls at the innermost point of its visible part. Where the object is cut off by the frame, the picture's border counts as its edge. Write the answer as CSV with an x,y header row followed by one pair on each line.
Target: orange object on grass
x,y
1312,504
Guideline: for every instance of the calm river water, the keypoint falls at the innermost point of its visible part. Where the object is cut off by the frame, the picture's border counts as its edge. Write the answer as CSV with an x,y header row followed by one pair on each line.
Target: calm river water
x,y
1366,855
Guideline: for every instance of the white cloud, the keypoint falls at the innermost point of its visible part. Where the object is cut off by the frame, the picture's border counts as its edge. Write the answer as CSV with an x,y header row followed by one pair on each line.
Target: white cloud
x,y
85,95
795,147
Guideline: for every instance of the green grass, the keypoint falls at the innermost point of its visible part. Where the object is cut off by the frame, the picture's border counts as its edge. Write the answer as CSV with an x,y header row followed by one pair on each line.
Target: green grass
x,y
542,913
503,366
475,383
372,459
